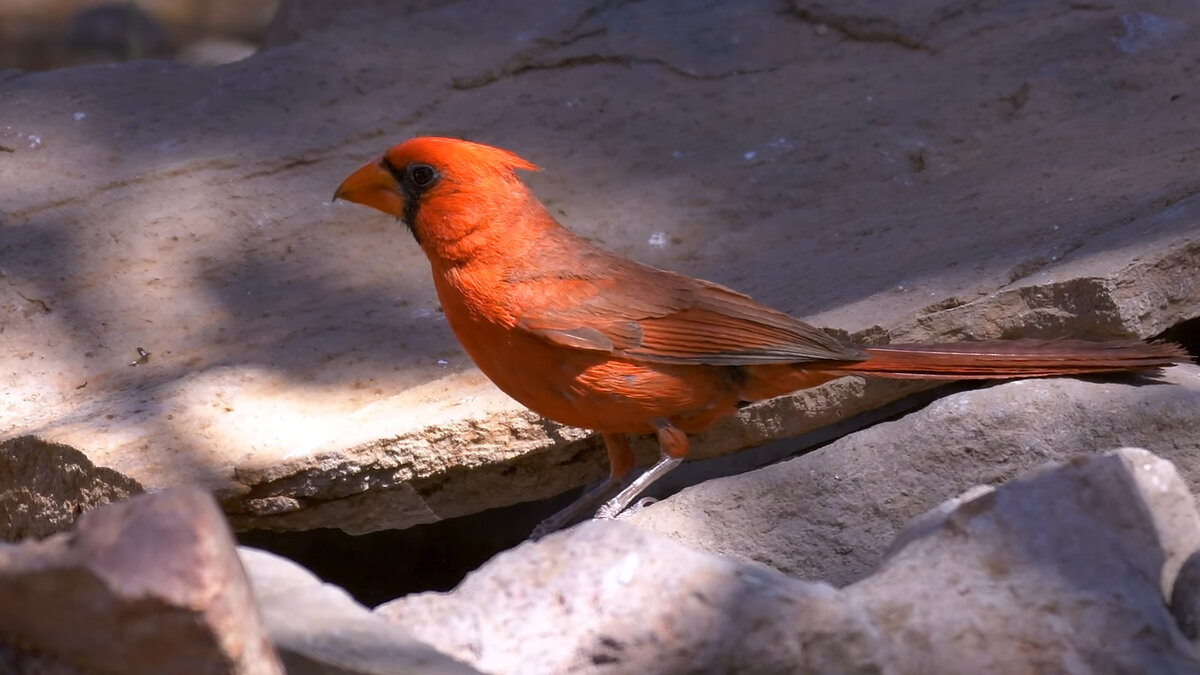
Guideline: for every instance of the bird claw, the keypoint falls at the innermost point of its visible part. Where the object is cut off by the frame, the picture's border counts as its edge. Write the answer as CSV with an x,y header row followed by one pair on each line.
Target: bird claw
x,y
637,506
609,511
614,511
577,509
543,528
641,504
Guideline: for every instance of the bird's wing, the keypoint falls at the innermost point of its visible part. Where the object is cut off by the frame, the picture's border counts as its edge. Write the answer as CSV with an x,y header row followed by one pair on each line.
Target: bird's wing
x,y
610,304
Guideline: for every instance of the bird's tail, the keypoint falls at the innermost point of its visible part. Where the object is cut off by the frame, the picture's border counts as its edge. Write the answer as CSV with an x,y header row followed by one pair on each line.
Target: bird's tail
x,y
998,360
1014,359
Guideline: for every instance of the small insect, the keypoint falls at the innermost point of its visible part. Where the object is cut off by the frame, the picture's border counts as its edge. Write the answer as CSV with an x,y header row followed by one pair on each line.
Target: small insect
x,y
142,359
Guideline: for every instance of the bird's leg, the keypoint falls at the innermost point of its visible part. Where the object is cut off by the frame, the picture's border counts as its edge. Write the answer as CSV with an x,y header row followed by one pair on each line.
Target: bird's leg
x,y
620,461
674,445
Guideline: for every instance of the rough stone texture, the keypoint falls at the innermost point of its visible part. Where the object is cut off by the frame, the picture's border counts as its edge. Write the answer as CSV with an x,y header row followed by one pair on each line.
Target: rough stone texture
x,y
1056,573
1185,598
45,486
906,172
831,514
1063,571
607,597
41,34
24,662
320,630
150,585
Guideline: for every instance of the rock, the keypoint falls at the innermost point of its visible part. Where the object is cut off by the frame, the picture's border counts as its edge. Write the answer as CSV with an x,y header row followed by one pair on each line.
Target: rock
x,y
318,629
1063,570
608,597
1185,597
299,366
44,487
118,31
66,33
24,662
832,513
1058,572
215,51
294,18
151,585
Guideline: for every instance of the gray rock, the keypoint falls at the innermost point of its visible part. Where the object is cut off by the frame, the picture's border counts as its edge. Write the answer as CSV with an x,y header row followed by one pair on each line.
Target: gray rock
x,y
150,585
1185,598
44,487
120,32
1054,573
1065,570
319,629
832,513
607,597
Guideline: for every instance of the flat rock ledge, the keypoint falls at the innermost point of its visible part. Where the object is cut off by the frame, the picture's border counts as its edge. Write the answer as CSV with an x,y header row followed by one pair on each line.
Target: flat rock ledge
x,y
896,172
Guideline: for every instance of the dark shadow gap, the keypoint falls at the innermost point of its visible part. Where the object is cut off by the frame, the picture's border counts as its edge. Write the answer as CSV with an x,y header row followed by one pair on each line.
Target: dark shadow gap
x,y
382,566
1186,334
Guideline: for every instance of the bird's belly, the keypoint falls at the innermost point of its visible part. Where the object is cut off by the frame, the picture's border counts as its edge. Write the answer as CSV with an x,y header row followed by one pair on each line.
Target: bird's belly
x,y
595,390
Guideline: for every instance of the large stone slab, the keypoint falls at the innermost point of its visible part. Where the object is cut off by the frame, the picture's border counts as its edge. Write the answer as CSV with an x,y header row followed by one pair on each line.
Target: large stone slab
x,y
908,173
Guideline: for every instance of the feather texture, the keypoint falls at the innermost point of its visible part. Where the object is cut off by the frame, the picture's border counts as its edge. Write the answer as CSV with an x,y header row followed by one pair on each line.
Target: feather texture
x,y
1014,358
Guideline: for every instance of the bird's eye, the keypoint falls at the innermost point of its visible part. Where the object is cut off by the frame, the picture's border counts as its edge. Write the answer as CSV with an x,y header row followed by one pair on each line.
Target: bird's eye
x,y
422,175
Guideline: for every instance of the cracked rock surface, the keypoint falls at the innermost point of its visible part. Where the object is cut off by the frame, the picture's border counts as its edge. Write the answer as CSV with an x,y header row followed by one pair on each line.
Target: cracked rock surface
x,y
913,172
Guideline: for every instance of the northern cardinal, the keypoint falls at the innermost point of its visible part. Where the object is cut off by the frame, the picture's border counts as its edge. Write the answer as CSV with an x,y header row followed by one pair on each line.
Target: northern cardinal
x,y
590,339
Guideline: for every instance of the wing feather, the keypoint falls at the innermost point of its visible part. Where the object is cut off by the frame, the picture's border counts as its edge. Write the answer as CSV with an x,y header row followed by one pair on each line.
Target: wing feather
x,y
636,311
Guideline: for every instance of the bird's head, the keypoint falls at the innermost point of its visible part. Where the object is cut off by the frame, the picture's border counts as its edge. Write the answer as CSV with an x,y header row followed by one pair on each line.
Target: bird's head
x,y
442,188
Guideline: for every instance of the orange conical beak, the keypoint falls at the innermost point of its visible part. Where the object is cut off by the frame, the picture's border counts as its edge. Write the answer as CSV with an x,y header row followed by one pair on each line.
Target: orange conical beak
x,y
373,186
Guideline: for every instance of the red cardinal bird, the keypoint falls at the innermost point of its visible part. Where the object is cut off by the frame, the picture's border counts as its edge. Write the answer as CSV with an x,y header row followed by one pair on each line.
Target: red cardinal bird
x,y
590,339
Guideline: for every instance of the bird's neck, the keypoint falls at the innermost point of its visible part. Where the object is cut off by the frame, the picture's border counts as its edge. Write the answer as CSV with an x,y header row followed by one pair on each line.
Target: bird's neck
x,y
472,269
492,233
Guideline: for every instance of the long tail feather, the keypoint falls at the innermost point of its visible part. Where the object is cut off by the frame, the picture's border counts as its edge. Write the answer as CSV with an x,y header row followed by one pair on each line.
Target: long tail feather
x,y
1014,359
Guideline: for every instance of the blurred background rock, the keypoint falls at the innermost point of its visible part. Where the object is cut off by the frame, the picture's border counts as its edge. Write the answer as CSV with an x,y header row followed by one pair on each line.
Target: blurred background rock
x,y
46,34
